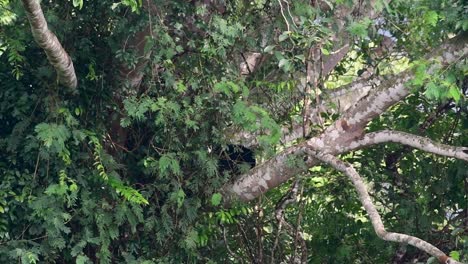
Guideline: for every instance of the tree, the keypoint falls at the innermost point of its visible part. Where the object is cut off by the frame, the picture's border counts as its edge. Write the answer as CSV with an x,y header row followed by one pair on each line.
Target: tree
x,y
121,153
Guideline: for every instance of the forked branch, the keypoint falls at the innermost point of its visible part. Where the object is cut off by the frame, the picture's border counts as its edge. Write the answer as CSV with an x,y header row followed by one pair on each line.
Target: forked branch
x,y
374,216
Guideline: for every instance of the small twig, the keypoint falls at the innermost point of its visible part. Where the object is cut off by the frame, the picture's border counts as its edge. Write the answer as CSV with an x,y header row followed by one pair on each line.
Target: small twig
x,y
290,15
298,235
318,81
282,13
246,63
116,144
24,240
287,199
249,250
35,170
259,228
227,244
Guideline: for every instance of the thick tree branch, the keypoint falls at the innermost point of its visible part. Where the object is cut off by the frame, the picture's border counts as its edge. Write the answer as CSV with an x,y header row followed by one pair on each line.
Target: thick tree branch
x,y
319,66
389,91
343,98
364,99
337,138
414,141
47,40
374,215
266,176
394,88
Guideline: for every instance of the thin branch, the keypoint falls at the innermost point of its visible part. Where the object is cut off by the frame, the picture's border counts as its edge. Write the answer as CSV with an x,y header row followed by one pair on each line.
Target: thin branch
x,y
374,216
307,94
282,13
246,243
227,245
47,40
290,15
392,89
300,235
297,235
414,141
287,199
259,228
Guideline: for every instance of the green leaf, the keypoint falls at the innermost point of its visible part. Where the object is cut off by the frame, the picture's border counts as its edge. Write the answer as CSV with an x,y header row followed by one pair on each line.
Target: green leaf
x,y
432,91
191,239
300,57
420,74
462,24
149,44
319,181
78,3
82,259
457,231
53,135
222,87
168,163
325,51
284,36
455,255
454,92
127,192
268,49
180,198
285,64
133,4
228,87
216,199
359,28
57,189
29,257
431,18
180,87
282,62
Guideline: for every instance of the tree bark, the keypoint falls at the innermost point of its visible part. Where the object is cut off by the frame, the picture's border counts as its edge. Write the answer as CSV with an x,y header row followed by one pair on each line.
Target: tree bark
x,y
47,40
374,215
339,136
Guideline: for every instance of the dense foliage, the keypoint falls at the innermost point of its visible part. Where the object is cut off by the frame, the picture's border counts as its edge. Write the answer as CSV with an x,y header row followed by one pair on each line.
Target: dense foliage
x,y
114,174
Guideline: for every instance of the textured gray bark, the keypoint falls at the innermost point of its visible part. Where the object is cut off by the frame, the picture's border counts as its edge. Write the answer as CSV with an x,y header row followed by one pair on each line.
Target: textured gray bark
x,y
411,140
374,215
340,135
47,40
347,134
